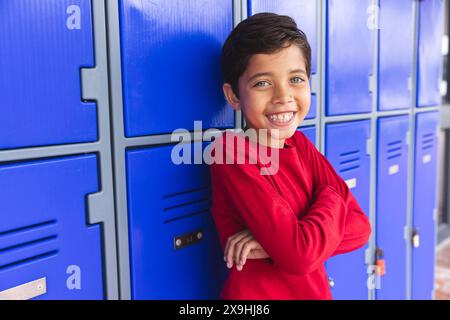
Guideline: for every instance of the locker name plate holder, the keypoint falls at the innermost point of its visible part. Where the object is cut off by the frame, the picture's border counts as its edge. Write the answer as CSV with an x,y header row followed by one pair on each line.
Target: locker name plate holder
x,y
426,158
187,239
351,183
25,291
393,169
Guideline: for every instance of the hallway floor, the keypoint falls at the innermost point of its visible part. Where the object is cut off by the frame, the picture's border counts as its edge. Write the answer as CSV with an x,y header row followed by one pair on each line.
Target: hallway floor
x,y
442,271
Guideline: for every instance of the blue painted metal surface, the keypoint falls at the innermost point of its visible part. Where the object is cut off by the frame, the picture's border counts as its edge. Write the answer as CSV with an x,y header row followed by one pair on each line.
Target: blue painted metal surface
x,y
346,149
424,204
43,229
349,56
310,133
304,12
395,54
171,64
165,201
392,201
43,45
430,65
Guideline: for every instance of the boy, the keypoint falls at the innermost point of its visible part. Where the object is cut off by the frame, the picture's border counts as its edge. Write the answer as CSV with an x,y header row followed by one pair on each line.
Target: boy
x,y
277,230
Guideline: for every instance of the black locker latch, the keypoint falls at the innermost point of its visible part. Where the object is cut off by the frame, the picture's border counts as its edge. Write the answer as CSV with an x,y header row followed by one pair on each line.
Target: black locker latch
x,y
187,239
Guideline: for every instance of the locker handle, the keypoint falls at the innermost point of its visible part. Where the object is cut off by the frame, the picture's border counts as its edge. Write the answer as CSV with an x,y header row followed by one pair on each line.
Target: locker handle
x,y
415,238
188,239
380,263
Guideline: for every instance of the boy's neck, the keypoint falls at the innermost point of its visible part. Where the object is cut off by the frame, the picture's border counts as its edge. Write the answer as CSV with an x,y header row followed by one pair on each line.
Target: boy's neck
x,y
264,140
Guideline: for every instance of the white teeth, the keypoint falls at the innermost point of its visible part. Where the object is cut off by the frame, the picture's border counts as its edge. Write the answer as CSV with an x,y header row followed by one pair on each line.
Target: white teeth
x,y
283,117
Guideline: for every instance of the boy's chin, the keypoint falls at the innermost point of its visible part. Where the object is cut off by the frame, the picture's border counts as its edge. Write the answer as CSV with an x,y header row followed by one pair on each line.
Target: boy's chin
x,y
284,133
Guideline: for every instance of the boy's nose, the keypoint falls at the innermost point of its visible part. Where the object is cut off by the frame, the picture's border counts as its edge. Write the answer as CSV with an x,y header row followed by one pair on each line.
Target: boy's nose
x,y
282,95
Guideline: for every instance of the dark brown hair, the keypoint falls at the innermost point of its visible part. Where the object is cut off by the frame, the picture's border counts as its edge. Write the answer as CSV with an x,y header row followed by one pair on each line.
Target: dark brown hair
x,y
261,33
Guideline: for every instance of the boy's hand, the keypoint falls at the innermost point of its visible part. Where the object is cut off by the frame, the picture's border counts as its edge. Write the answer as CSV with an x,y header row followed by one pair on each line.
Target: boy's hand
x,y
242,246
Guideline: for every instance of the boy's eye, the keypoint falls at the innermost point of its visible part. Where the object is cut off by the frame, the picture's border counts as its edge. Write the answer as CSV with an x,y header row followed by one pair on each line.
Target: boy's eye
x,y
262,84
297,80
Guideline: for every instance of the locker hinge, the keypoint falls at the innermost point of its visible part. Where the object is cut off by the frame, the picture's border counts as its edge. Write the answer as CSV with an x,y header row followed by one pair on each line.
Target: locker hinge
x,y
406,233
372,83
443,87
368,256
315,83
435,214
410,83
369,147
91,83
98,207
408,138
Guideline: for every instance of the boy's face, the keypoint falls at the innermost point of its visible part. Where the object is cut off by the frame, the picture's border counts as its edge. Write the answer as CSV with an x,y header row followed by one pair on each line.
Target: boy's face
x,y
274,93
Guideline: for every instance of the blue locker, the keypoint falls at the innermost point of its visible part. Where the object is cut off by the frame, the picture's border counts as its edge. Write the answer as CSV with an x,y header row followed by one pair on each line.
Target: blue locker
x,y
424,204
43,227
349,56
431,27
310,133
395,54
43,45
346,149
304,12
167,202
392,202
162,41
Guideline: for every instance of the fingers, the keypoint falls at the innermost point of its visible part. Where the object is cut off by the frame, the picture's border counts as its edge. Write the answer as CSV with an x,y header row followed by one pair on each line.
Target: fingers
x,y
230,246
238,247
246,249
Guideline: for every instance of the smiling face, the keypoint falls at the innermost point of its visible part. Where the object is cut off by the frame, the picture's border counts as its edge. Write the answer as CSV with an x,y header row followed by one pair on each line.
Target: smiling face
x,y
274,94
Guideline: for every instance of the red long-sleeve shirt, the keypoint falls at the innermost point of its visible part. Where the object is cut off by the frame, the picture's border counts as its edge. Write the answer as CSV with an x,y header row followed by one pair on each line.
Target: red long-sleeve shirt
x,y
301,215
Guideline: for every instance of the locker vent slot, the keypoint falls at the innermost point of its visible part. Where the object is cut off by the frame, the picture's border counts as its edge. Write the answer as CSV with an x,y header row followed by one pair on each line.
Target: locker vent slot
x,y
394,143
31,243
28,243
28,228
185,192
349,161
184,204
35,258
394,149
186,216
187,203
427,141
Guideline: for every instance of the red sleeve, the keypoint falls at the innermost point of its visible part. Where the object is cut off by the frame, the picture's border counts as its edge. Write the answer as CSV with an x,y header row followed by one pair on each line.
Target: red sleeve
x,y
357,226
295,246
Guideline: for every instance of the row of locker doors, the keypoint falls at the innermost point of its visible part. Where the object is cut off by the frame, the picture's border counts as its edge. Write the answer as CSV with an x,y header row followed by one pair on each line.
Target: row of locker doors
x,y
53,39
44,232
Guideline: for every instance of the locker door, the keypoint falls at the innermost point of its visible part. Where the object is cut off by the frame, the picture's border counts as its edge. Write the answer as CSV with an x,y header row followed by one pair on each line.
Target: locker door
x,y
43,45
392,201
310,133
431,27
349,56
174,247
346,149
304,12
424,204
44,231
171,64
396,54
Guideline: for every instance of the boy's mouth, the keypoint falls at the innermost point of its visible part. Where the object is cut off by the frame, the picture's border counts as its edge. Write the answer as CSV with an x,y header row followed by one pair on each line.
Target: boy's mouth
x,y
283,118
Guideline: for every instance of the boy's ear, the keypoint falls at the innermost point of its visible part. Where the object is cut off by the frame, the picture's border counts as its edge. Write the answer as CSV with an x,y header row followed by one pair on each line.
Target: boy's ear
x,y
232,99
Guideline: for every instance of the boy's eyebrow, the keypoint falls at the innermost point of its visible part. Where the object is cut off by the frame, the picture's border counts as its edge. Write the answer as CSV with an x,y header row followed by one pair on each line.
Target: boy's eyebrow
x,y
298,71
261,74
